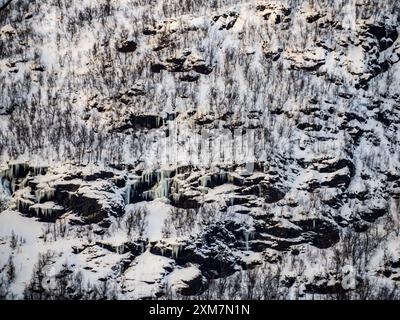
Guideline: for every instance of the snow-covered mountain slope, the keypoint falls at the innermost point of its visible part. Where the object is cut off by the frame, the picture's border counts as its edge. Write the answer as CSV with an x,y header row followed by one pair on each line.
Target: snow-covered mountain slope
x,y
217,149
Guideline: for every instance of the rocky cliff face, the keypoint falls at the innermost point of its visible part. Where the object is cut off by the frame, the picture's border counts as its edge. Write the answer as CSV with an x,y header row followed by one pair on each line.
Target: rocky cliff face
x,y
218,149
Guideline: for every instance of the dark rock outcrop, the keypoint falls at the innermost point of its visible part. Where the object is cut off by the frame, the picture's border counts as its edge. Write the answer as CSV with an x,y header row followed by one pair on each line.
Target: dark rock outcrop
x,y
126,46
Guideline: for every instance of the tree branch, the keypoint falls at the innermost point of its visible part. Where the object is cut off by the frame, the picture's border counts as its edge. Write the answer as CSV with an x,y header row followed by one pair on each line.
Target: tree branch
x,y
5,5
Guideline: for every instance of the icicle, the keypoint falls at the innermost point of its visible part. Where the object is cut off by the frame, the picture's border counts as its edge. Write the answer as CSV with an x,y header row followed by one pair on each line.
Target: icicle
x,y
248,235
142,247
175,250
205,180
147,195
147,177
175,190
164,188
177,197
46,193
120,269
22,205
144,177
121,249
46,212
39,171
246,239
128,193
